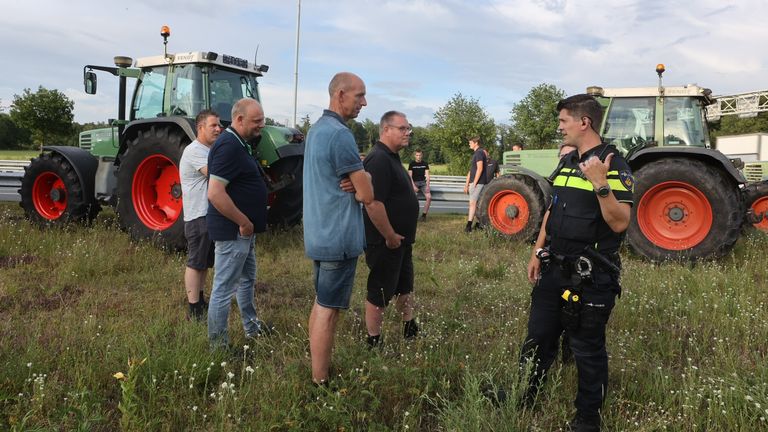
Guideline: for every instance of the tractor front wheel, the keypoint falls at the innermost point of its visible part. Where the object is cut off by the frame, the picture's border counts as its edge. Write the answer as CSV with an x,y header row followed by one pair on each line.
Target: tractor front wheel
x,y
684,209
756,197
285,203
52,194
513,205
149,198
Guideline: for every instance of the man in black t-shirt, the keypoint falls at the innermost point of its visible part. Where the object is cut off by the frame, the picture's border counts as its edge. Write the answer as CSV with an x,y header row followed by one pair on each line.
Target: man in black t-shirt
x,y
475,179
418,169
390,229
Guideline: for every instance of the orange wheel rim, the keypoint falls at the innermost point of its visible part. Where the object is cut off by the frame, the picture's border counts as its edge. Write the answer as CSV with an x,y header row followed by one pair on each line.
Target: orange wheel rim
x,y
674,215
49,195
156,191
760,208
509,212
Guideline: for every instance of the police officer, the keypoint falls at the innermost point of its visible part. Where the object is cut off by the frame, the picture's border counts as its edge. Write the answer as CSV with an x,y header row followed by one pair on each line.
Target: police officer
x,y
575,263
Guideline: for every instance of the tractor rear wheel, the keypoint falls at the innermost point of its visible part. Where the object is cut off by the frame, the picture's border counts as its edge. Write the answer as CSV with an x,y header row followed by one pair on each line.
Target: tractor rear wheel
x,y
513,205
756,197
285,204
52,194
149,187
684,209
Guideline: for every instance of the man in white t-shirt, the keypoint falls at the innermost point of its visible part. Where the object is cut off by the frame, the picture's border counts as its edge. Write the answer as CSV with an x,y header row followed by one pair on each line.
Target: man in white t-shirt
x,y
193,170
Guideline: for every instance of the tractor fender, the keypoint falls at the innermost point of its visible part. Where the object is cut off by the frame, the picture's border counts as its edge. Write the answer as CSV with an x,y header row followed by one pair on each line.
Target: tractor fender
x,y
84,164
544,184
183,124
705,155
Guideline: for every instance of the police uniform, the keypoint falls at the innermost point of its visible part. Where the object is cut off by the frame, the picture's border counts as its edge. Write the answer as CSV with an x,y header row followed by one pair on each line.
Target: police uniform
x,y
577,235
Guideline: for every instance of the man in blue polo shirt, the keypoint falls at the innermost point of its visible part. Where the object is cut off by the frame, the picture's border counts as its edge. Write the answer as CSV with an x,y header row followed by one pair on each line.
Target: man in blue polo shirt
x,y
333,222
238,209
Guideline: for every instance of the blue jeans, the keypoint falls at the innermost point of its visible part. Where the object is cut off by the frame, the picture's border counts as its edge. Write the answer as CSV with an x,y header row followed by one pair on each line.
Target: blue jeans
x,y
235,273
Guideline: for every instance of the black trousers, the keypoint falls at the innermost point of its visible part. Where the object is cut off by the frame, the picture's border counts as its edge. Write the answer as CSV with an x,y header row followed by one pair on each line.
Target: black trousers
x,y
587,342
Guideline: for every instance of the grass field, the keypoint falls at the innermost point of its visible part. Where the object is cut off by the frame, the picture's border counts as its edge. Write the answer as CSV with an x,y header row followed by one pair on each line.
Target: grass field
x,y
18,154
687,344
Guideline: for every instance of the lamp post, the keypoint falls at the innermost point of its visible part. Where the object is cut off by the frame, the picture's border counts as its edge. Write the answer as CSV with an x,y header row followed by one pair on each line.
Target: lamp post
x,y
296,65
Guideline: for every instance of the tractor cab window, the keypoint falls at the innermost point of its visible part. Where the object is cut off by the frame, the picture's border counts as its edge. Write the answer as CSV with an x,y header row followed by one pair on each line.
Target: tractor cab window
x,y
629,123
683,125
148,98
227,87
187,92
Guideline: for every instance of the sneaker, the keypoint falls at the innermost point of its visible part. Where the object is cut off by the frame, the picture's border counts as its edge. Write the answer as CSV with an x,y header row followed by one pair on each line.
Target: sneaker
x,y
265,329
410,329
423,217
198,311
468,228
582,423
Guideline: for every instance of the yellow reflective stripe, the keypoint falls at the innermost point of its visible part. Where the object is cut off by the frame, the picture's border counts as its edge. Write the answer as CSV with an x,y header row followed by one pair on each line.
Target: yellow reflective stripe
x,y
617,185
614,173
560,180
578,183
567,170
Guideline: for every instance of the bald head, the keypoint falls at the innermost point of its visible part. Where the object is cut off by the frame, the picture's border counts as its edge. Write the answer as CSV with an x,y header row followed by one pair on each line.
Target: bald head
x,y
347,92
247,118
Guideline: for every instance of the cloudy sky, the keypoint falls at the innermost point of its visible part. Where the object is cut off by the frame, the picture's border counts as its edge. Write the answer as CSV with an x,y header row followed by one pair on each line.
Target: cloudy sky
x,y
414,55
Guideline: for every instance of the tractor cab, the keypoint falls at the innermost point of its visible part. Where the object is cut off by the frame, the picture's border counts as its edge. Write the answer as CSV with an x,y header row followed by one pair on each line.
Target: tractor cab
x,y
186,83
637,118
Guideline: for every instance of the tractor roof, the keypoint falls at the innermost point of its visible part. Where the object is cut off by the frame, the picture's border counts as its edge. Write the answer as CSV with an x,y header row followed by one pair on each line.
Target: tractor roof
x,y
223,60
687,90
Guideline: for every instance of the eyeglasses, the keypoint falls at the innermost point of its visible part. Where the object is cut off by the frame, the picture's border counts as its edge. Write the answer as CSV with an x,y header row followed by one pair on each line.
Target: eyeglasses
x,y
402,129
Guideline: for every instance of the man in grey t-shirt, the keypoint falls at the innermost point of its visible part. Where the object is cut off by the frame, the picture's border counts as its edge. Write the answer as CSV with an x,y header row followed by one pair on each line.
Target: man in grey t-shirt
x,y
193,170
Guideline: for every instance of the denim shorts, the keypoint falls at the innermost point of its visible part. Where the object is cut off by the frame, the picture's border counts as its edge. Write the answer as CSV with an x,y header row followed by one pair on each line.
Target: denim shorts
x,y
199,246
334,281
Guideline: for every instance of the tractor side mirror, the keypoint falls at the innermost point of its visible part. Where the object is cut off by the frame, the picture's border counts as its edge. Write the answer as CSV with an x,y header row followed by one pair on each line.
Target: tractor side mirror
x,y
89,79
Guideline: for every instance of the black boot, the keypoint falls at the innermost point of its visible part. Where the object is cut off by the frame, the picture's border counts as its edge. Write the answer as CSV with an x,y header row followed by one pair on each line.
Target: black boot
x,y
478,226
468,228
583,423
198,311
410,329
373,341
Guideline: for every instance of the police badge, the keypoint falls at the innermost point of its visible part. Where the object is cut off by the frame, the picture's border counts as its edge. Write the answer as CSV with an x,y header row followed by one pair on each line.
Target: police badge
x,y
627,180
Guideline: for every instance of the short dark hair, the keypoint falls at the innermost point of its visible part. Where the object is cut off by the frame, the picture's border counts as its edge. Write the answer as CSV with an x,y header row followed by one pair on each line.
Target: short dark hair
x,y
418,151
203,115
583,105
387,117
475,138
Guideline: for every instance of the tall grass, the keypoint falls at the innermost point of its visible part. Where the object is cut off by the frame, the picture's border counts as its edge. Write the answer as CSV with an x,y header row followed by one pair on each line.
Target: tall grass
x,y
687,343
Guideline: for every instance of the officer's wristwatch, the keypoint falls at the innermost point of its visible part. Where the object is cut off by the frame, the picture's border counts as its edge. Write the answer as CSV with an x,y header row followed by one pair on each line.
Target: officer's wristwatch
x,y
603,191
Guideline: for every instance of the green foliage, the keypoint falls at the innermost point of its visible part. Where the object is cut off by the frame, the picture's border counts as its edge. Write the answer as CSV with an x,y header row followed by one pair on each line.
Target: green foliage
x,y
11,135
734,125
364,136
272,122
534,118
47,114
461,118
305,125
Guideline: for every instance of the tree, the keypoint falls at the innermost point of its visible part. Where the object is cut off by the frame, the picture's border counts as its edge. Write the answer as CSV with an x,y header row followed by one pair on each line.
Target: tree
x,y
360,134
11,135
271,122
372,130
47,114
305,125
460,119
534,119
734,125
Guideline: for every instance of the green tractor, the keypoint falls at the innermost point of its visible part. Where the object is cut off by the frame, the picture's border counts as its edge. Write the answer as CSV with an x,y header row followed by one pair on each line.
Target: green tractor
x,y
133,165
690,200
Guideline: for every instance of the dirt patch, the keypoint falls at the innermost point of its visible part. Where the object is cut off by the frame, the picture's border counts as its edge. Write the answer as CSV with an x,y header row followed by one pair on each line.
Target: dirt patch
x,y
68,295
13,261
262,287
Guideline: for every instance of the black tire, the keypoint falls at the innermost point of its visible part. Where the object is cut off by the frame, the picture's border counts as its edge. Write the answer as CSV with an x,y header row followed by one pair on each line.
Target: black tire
x,y
513,205
162,223
46,202
287,202
684,209
756,200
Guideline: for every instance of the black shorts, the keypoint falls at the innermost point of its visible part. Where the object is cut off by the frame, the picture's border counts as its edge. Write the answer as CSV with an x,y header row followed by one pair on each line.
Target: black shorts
x,y
391,272
199,246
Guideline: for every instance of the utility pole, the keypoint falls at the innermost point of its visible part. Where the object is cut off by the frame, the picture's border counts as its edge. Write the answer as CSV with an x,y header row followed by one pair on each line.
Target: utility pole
x,y
296,66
